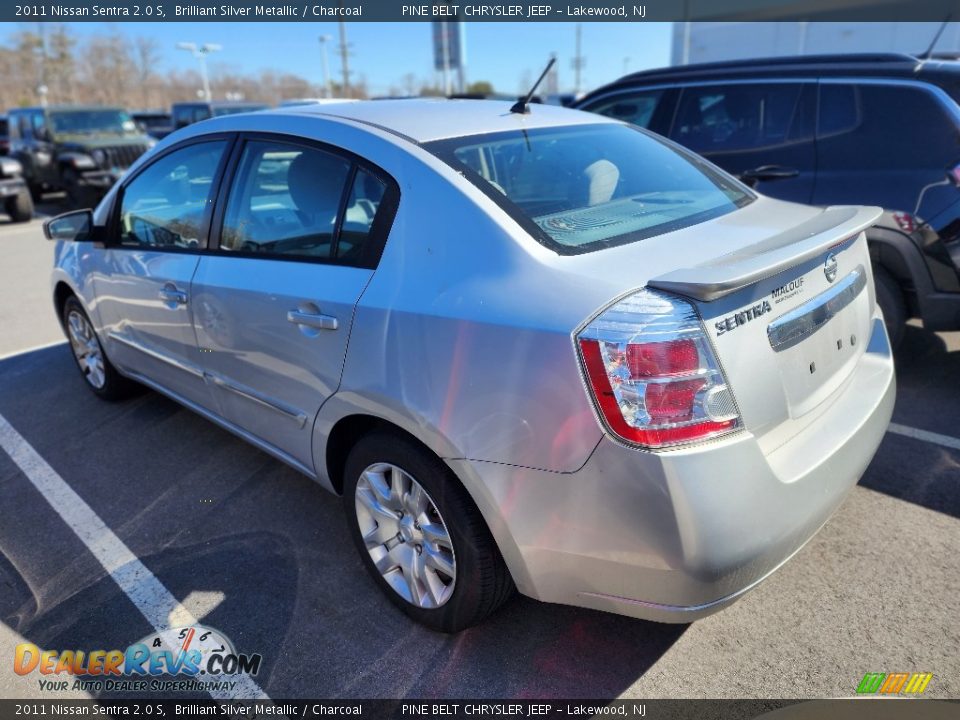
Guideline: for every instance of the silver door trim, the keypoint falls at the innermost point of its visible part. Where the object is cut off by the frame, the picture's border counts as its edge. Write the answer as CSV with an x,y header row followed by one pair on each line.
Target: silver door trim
x,y
295,414
800,323
187,367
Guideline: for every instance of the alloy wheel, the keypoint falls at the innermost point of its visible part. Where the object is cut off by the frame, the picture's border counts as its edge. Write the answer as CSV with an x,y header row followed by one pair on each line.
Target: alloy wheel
x,y
405,535
86,349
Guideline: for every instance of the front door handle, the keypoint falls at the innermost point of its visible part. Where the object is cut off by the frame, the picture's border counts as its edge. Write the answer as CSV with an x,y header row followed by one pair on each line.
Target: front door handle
x,y
313,320
172,297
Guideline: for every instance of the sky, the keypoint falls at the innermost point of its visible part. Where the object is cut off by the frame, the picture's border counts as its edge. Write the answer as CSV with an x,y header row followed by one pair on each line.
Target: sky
x,y
501,53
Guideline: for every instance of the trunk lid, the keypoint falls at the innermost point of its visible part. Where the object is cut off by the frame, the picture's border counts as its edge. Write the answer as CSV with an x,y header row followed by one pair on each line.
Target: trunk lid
x,y
786,296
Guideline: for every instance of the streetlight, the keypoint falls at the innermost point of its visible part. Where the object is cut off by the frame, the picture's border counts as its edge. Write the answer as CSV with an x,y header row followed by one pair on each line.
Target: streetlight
x,y
200,52
328,90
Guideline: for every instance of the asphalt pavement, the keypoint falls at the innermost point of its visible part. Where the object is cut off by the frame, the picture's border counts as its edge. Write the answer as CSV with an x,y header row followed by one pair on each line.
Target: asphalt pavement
x,y
249,546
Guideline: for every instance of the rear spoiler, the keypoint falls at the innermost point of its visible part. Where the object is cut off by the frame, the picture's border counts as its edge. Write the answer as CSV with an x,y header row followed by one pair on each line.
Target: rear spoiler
x,y
734,271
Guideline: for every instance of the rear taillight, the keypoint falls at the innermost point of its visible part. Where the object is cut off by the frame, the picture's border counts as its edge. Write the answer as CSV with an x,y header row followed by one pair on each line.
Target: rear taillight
x,y
653,373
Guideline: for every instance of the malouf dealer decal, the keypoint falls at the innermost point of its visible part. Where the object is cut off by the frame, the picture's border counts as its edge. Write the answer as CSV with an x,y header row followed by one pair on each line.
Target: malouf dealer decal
x,y
742,317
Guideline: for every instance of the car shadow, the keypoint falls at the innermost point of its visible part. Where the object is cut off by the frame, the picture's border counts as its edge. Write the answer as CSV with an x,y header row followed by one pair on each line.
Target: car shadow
x,y
928,398
266,552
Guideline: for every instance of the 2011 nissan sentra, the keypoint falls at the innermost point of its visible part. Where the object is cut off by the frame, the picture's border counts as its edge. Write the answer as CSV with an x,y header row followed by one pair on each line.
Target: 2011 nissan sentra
x,y
543,350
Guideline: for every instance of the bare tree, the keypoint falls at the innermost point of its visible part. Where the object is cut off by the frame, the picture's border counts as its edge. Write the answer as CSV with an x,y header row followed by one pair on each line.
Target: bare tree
x,y
146,60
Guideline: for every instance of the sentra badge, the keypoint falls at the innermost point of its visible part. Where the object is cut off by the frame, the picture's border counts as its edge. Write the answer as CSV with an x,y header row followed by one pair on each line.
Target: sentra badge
x,y
742,317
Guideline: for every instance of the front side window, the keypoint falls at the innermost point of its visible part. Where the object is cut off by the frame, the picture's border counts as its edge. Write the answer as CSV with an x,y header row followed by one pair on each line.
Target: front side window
x,y
737,117
166,205
39,124
586,187
635,107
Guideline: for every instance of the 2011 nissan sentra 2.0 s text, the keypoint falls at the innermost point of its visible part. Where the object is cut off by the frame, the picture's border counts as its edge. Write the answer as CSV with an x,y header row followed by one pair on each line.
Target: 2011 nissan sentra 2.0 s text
x,y
546,350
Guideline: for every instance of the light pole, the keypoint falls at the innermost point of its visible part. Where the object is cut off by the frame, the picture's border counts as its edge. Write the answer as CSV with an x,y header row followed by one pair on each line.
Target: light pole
x,y
344,53
200,52
327,89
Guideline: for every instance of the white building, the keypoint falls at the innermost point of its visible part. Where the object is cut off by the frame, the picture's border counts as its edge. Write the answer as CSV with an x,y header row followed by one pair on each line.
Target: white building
x,y
696,42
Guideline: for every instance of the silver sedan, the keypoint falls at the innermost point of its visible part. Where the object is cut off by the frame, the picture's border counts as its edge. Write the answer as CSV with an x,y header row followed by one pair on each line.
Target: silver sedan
x,y
537,350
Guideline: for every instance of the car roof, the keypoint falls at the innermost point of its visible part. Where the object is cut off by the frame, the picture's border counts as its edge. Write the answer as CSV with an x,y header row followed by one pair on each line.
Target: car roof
x,y
428,119
890,65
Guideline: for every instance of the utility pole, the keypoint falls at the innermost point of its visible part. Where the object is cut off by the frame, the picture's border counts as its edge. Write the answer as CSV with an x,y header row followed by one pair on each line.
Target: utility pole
x,y
327,88
445,42
344,51
578,62
42,87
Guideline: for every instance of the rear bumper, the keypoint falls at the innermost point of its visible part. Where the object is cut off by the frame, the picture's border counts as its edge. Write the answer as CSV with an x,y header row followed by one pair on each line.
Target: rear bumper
x,y
677,536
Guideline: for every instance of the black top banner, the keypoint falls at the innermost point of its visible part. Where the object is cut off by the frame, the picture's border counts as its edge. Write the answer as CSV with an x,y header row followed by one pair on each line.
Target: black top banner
x,y
483,11
490,709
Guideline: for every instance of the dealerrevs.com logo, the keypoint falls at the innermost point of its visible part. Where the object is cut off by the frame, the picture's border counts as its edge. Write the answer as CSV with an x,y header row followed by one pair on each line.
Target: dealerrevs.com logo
x,y
894,683
201,658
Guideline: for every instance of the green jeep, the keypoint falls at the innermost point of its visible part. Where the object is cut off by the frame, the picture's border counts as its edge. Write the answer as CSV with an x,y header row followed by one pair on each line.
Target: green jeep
x,y
80,149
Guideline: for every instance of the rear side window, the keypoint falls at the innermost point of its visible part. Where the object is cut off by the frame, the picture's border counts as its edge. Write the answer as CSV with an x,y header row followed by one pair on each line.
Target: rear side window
x,y
585,187
3,126
165,206
839,110
635,107
871,126
735,117
300,202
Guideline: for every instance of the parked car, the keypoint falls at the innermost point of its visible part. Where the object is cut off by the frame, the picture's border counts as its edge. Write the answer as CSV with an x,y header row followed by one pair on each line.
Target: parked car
x,y
155,123
545,350
79,149
4,135
187,113
14,192
875,129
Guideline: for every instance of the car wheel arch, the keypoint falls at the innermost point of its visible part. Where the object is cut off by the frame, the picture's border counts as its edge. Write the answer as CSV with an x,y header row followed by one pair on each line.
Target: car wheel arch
x,y
61,293
344,434
899,255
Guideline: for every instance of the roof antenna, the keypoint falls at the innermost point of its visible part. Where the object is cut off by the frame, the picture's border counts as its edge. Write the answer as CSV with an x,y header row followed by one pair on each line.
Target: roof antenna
x,y
522,106
929,51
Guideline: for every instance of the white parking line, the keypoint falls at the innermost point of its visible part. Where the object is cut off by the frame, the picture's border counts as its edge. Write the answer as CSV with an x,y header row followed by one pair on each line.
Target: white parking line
x,y
152,599
925,435
7,356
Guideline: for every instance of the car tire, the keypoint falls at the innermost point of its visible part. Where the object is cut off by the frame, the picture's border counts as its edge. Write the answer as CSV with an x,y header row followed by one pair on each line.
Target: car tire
x,y
20,207
448,577
890,299
97,370
36,192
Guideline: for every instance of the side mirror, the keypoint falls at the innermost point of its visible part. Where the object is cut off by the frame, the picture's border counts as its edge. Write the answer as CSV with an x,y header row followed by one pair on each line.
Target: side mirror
x,y
76,226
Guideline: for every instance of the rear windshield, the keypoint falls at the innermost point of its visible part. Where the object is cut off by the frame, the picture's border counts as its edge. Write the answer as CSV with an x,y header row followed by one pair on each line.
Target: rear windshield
x,y
582,188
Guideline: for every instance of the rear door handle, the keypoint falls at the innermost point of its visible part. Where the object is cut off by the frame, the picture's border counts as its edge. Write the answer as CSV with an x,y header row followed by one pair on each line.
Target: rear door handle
x,y
314,320
173,297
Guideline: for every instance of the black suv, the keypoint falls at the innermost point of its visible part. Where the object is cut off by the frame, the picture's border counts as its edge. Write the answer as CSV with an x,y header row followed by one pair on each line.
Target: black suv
x,y
82,150
879,129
